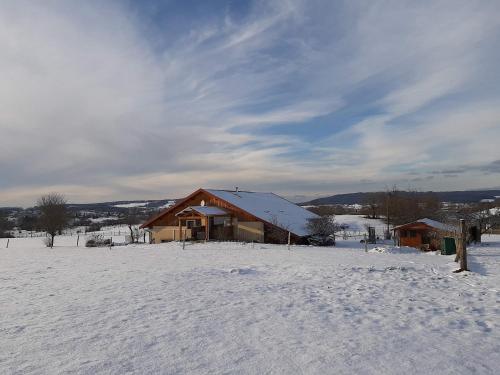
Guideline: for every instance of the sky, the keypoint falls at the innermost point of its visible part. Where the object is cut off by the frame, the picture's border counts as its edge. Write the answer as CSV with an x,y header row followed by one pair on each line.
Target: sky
x,y
115,100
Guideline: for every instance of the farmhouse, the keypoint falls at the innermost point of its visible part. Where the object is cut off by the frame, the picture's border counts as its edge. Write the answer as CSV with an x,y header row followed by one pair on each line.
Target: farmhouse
x,y
425,234
209,214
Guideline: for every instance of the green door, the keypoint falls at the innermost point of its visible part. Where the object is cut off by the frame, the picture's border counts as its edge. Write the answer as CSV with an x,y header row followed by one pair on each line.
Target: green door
x,y
448,246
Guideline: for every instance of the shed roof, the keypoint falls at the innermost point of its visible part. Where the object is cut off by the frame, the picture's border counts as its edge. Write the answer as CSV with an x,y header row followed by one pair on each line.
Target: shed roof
x,y
433,224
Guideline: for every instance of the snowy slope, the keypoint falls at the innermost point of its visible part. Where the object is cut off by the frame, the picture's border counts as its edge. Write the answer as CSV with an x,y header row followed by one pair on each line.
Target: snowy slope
x,y
359,223
233,308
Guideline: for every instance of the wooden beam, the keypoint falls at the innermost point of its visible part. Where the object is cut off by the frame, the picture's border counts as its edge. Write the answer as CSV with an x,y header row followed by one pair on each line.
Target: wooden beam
x,y
207,229
463,258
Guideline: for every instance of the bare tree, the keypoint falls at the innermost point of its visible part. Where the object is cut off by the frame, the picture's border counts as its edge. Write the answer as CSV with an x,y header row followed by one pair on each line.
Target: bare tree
x,y
5,225
484,216
372,204
322,226
400,207
479,216
53,214
131,220
277,232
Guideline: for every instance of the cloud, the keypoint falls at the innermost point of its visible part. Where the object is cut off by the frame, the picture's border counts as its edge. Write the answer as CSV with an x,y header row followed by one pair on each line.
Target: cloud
x,y
99,101
493,167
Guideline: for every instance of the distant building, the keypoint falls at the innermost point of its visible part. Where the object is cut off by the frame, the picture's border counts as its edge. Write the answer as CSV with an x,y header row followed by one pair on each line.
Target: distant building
x,y
425,234
209,214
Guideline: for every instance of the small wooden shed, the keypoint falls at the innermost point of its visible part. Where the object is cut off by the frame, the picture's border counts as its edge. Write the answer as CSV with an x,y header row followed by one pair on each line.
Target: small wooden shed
x,y
424,234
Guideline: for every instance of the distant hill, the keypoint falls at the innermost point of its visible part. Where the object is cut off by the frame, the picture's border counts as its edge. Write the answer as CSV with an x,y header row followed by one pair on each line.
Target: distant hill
x,y
120,206
467,196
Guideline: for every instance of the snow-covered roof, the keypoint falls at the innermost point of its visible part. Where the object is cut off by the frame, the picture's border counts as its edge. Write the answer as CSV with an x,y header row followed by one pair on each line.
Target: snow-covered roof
x,y
434,224
269,207
205,210
438,225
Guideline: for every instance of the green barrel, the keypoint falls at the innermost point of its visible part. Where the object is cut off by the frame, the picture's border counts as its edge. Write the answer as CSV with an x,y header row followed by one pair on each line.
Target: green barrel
x,y
448,246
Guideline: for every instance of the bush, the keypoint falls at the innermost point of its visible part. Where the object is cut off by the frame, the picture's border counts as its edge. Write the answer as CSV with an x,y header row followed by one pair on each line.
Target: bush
x,y
6,235
322,226
98,240
94,227
48,241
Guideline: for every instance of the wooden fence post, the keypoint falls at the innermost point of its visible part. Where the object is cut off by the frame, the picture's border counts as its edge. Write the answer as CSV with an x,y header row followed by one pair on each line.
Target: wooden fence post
x,y
77,239
8,239
463,253
288,240
461,256
184,240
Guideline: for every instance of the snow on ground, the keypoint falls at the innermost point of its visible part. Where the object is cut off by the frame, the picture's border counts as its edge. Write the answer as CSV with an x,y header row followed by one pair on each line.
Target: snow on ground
x,y
359,223
396,250
60,241
131,205
166,205
236,308
103,219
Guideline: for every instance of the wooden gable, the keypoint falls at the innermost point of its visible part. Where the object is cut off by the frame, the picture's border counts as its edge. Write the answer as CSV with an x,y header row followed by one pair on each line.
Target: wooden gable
x,y
168,218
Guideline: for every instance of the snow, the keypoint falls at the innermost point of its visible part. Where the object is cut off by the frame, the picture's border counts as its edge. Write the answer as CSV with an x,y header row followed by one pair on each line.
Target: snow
x,y
167,205
359,223
434,224
250,309
103,219
494,211
438,225
394,250
131,205
269,207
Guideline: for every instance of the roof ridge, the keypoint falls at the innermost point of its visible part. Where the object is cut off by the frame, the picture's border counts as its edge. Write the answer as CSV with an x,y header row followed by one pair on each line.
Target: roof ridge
x,y
241,191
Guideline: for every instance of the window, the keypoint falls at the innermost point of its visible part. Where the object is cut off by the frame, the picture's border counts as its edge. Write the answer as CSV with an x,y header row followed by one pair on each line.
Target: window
x,y
222,220
190,224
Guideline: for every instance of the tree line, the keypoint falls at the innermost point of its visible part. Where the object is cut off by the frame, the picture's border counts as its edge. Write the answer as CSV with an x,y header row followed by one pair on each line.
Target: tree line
x,y
397,207
52,216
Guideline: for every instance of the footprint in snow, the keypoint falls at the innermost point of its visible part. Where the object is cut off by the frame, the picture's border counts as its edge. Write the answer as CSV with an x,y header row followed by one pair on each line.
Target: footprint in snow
x,y
243,271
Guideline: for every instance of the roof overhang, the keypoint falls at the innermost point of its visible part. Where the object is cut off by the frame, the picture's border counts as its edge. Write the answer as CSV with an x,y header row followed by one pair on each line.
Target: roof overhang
x,y
204,211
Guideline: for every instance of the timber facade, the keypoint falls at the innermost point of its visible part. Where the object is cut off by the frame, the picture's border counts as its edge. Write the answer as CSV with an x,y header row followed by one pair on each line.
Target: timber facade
x,y
424,234
204,216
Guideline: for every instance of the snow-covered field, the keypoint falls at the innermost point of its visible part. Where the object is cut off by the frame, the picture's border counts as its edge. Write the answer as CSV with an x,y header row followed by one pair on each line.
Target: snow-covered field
x,y
235,308
358,224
